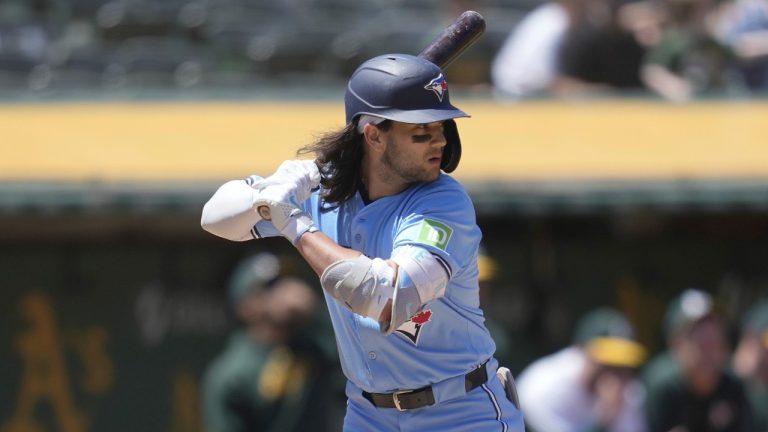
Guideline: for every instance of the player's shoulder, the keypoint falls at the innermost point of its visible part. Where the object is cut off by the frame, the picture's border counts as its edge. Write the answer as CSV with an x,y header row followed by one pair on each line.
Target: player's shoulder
x,y
552,370
234,362
444,196
446,180
568,356
444,184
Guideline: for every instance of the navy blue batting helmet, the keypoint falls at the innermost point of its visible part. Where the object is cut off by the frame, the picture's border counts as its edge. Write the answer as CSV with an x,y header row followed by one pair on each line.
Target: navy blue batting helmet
x,y
406,89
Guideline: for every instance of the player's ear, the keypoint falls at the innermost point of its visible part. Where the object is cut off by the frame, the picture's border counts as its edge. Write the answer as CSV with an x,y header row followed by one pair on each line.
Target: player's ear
x,y
374,137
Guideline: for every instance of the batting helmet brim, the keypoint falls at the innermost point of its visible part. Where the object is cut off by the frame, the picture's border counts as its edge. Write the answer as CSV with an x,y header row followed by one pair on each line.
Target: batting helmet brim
x,y
421,116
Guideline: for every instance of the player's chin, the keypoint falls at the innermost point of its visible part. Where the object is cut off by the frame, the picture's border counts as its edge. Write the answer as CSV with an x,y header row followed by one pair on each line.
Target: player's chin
x,y
432,173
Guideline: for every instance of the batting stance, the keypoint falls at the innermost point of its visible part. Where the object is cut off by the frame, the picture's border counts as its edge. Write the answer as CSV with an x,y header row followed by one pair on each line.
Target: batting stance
x,y
395,243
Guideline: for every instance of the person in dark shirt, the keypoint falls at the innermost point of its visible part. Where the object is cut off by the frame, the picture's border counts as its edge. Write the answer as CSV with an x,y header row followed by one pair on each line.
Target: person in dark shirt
x,y
689,61
750,362
273,375
602,52
688,386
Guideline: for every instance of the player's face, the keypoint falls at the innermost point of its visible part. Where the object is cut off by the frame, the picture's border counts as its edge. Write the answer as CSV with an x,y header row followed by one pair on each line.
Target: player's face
x,y
414,151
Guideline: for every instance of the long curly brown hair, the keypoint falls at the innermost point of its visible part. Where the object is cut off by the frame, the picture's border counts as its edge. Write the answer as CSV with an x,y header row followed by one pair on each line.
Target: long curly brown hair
x,y
339,156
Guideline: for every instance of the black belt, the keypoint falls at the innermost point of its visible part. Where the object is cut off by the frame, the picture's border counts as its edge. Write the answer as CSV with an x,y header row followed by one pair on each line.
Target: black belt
x,y
412,399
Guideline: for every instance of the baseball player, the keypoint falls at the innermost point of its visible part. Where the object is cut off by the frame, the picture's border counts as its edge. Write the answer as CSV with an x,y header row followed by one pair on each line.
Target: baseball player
x,y
395,243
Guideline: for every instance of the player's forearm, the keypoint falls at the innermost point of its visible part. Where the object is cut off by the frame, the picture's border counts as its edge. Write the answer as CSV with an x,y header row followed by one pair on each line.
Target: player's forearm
x,y
320,251
229,213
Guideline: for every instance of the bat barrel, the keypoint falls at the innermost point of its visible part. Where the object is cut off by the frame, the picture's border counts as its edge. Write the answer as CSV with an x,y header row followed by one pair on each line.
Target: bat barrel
x,y
456,38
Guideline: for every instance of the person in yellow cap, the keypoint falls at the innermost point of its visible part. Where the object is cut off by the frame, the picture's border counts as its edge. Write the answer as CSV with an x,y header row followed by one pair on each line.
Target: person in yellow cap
x,y
589,385
688,386
750,362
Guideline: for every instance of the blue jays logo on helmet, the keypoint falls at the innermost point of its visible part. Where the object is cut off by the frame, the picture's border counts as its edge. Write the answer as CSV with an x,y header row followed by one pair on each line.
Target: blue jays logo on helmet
x,y
438,85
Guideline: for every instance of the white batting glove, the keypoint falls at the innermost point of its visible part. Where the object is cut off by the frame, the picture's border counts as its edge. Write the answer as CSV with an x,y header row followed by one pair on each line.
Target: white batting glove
x,y
299,177
285,191
286,216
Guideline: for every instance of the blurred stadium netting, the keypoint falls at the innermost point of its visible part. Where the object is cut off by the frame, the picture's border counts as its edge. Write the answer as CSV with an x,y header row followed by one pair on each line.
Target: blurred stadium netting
x,y
185,43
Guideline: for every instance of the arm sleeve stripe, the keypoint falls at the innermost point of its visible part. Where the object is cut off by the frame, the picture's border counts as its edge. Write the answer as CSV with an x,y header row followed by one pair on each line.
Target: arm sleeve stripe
x,y
444,264
250,180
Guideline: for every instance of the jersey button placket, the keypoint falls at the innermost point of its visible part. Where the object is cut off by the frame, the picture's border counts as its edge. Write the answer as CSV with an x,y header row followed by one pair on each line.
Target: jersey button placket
x,y
357,236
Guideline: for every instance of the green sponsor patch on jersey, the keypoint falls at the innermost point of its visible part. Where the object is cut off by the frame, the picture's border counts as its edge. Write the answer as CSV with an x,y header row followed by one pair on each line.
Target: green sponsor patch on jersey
x,y
434,233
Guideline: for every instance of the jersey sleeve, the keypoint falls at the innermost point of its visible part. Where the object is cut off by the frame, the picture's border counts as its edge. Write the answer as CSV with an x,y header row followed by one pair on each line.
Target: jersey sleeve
x,y
440,218
229,212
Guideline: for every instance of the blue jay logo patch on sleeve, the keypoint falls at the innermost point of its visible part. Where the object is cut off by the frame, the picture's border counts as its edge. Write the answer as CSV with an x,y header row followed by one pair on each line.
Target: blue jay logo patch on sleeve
x,y
412,328
434,233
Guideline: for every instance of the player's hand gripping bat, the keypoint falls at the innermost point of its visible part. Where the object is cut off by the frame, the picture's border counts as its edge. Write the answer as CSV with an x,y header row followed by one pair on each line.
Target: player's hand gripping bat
x,y
443,50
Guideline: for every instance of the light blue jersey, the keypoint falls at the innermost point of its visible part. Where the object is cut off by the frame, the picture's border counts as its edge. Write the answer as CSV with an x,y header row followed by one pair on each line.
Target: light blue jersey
x,y
447,337
437,354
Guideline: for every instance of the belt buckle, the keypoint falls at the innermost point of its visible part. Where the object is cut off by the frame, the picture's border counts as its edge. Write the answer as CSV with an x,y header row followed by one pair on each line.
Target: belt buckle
x,y
396,399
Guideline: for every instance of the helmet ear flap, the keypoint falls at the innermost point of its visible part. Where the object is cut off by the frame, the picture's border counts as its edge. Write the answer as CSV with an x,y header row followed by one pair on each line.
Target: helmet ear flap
x,y
452,150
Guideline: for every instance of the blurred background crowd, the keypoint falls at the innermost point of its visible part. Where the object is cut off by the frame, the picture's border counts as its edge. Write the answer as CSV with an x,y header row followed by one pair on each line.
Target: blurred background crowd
x,y
677,49
616,158
188,43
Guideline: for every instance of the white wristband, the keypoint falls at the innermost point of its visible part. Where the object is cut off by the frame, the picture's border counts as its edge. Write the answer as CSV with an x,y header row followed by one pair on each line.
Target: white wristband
x,y
298,224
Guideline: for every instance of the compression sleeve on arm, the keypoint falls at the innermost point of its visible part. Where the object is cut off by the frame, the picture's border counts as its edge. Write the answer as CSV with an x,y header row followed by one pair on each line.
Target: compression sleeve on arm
x,y
229,212
362,285
421,278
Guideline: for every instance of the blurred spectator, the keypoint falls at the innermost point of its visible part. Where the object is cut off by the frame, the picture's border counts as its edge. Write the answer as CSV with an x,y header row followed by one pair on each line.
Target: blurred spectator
x,y
271,376
590,385
603,49
689,389
574,47
750,362
526,63
745,30
688,61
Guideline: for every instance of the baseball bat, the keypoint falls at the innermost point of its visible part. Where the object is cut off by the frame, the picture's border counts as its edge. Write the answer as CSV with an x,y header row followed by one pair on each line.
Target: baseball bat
x,y
455,39
442,51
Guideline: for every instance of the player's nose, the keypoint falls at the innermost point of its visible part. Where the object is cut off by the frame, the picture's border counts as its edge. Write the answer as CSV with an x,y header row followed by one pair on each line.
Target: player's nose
x,y
440,142
438,139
